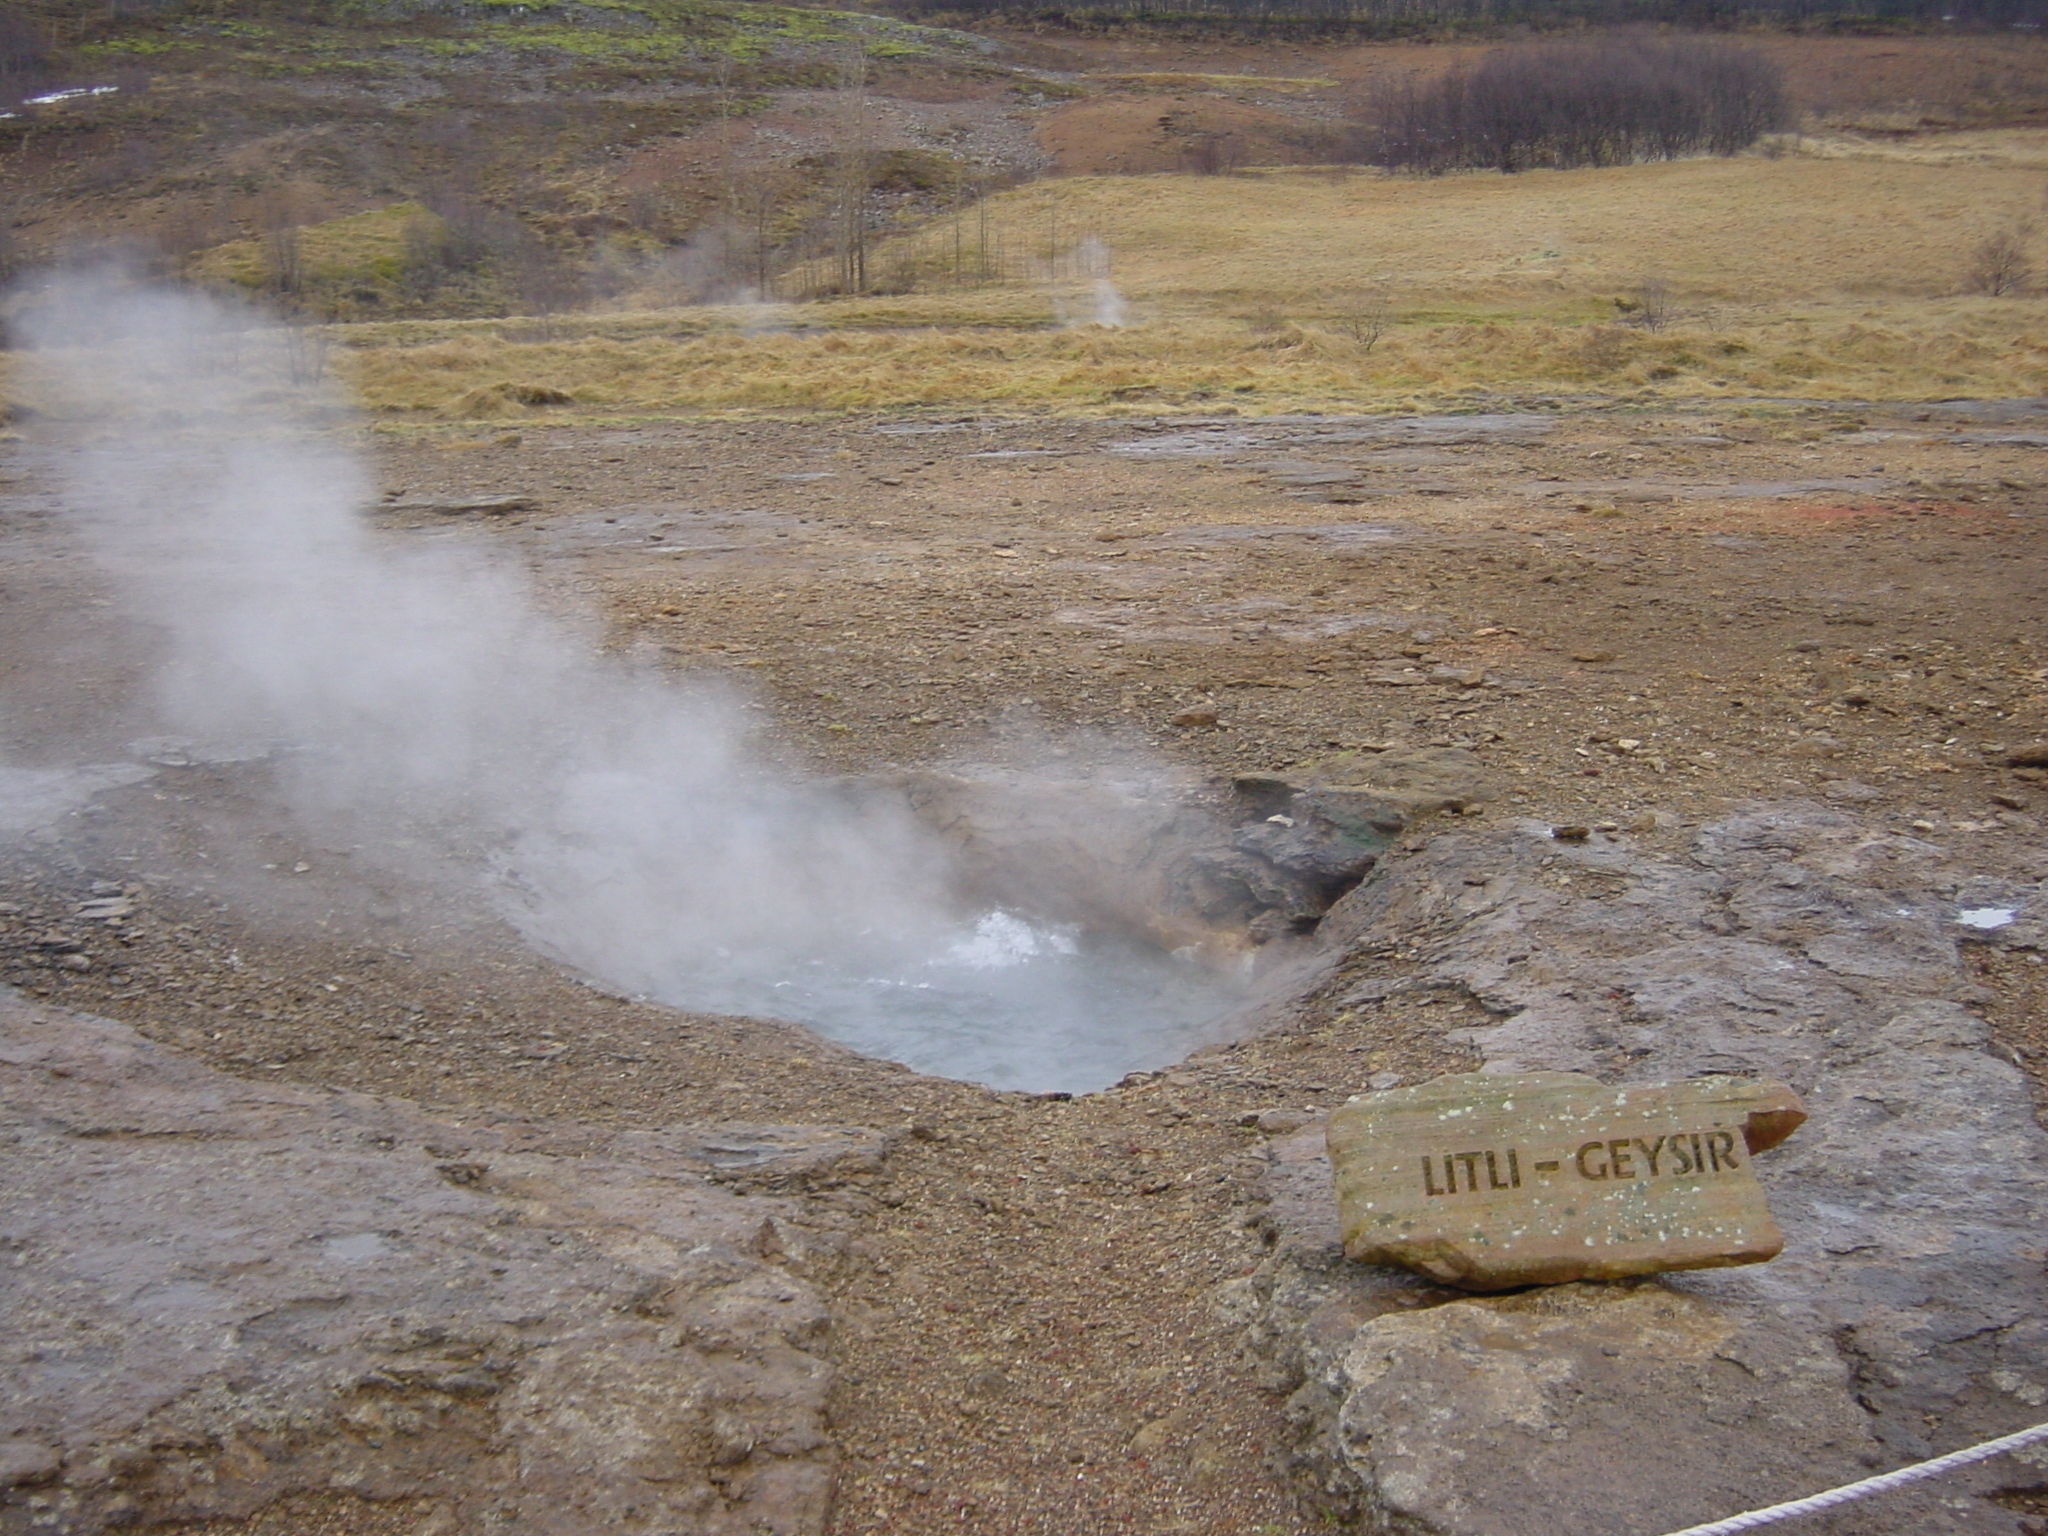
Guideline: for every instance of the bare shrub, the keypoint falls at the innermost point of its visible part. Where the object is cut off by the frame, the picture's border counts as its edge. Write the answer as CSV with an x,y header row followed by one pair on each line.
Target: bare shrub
x,y
1649,307
1604,349
1213,154
1613,101
1366,317
2000,266
281,214
305,349
544,281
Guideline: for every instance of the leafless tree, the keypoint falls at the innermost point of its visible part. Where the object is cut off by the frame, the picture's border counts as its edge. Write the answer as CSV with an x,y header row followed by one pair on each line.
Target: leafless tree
x,y
1212,153
1650,306
281,213
306,346
856,172
544,282
1999,266
25,67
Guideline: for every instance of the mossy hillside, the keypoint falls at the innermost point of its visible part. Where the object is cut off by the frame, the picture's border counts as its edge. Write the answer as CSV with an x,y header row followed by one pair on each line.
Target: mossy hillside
x,y
361,248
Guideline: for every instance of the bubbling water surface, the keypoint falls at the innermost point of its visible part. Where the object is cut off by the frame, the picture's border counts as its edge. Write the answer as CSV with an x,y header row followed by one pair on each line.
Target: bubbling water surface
x,y
1002,1000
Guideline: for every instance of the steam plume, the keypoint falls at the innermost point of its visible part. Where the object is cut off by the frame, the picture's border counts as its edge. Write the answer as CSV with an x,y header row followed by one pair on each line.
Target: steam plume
x,y
633,831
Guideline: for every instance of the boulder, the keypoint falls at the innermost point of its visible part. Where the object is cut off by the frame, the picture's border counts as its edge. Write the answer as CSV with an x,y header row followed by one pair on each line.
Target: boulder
x,y
1413,781
1794,944
220,1292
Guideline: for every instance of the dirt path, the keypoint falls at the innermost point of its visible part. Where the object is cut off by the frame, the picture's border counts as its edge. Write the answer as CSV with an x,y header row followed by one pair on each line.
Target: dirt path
x,y
1034,1328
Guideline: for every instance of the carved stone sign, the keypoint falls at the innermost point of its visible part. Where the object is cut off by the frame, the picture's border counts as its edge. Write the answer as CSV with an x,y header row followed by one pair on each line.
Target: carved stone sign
x,y
1486,1182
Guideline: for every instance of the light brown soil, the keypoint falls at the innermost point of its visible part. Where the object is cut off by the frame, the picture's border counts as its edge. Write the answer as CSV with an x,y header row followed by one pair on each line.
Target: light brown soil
x,y
1029,1333
1137,135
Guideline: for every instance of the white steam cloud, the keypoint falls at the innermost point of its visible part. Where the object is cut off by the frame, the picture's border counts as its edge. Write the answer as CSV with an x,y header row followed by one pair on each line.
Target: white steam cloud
x,y
634,833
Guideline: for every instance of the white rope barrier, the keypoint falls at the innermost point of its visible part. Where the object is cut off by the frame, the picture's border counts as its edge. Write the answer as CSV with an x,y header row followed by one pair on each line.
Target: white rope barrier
x,y
1879,1484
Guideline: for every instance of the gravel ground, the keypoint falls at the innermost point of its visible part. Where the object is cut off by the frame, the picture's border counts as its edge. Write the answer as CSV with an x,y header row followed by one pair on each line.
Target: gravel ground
x,y
1029,1330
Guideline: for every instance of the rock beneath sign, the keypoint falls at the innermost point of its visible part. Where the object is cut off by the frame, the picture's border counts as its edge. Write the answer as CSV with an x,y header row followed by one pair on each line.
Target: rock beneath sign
x,y
1489,1181
1511,1415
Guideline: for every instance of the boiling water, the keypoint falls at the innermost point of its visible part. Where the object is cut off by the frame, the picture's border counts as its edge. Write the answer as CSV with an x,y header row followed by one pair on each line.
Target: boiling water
x,y
1000,1001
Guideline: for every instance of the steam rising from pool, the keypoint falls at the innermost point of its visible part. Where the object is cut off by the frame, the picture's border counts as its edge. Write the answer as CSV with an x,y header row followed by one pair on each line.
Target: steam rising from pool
x,y
625,821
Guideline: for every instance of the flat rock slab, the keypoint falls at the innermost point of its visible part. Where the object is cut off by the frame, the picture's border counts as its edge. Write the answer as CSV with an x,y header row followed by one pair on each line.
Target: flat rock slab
x,y
488,506
1510,1417
219,1292
1489,1181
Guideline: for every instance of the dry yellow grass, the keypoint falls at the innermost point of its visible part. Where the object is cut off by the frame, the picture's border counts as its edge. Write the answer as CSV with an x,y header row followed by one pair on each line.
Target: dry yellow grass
x,y
1992,347
1793,228
1825,278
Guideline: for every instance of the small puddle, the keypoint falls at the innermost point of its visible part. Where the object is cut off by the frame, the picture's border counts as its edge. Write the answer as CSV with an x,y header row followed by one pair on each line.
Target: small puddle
x,y
1986,918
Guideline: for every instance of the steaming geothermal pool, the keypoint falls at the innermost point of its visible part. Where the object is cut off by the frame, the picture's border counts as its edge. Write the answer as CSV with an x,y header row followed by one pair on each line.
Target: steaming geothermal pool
x,y
427,695
1005,1002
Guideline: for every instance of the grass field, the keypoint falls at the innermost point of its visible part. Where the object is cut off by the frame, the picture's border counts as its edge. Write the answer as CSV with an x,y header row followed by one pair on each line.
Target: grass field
x,y
1794,229
1822,277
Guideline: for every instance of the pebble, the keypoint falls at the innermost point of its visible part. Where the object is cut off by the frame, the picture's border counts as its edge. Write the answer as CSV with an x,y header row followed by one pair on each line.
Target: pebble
x,y
1274,1122
27,1463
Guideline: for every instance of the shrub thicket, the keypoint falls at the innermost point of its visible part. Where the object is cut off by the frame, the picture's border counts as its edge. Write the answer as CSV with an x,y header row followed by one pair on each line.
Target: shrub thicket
x,y
1612,101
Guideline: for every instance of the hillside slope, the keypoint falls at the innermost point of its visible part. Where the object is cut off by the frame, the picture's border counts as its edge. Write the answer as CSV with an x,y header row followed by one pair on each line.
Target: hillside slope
x,y
547,151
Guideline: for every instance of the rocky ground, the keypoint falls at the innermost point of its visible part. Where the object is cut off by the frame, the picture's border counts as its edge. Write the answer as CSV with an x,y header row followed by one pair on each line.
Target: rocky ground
x,y
1639,621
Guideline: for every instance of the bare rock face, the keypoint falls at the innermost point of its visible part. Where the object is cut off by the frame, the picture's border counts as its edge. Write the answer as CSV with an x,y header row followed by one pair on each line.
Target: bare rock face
x,y
1487,1181
220,1291
1795,945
